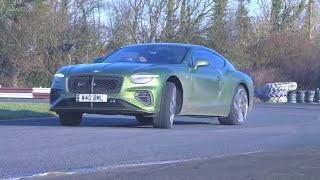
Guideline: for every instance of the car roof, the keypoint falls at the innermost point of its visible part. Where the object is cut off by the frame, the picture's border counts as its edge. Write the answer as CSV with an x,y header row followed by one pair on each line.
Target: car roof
x,y
168,44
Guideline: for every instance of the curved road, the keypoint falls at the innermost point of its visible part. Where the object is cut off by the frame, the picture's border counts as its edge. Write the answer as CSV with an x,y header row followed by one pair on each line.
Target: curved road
x,y
278,141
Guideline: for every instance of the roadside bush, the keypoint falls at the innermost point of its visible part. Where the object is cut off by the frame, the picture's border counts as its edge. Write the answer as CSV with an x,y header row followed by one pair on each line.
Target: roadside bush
x,y
37,79
262,76
285,56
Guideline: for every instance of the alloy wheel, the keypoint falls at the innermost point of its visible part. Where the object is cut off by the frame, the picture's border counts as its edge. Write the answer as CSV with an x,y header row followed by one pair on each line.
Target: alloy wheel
x,y
241,104
173,105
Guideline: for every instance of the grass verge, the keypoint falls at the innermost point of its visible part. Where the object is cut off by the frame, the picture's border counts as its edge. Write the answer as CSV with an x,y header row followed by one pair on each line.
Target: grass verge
x,y
24,110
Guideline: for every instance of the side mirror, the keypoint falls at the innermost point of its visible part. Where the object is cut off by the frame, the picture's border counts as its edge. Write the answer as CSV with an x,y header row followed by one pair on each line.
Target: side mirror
x,y
200,62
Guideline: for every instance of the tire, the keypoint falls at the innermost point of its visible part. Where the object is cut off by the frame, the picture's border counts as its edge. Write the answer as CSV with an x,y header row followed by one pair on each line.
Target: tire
x,y
282,99
164,118
288,86
144,120
317,96
278,92
301,96
309,97
239,108
70,119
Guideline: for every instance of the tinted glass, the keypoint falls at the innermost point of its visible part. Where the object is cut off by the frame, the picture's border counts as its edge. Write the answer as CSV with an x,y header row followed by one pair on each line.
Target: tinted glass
x,y
201,54
217,61
214,59
161,54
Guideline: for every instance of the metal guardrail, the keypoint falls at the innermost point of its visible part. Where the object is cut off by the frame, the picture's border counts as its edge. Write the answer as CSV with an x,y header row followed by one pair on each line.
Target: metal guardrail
x,y
25,93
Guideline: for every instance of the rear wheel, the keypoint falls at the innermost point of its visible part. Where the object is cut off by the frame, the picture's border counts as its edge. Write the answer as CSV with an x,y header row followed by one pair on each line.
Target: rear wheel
x,y
144,120
164,118
239,108
70,118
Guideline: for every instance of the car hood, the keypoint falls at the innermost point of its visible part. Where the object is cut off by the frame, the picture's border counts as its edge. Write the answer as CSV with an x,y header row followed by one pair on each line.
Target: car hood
x,y
123,68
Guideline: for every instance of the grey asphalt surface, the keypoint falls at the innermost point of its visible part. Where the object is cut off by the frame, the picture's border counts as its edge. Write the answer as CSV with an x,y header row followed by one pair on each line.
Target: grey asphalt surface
x,y
277,142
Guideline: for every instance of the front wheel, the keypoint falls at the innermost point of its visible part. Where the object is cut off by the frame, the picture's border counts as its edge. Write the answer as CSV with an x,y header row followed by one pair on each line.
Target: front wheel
x,y
164,118
70,118
239,108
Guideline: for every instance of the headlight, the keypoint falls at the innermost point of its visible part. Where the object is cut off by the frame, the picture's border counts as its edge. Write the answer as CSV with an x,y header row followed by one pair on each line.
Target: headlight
x,y
59,75
142,78
58,78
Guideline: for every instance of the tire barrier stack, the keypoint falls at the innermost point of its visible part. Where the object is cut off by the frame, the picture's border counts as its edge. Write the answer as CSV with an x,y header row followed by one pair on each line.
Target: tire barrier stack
x,y
310,96
283,92
303,96
317,96
292,96
278,92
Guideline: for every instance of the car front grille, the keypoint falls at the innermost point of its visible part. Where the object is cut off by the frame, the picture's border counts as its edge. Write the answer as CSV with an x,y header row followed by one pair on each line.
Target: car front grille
x,y
94,84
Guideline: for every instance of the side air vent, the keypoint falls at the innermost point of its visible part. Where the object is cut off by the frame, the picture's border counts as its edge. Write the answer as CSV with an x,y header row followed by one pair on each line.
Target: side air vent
x,y
145,97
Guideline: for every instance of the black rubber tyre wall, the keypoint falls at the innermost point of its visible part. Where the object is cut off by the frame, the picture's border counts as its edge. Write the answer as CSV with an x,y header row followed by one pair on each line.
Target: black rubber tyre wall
x,y
162,118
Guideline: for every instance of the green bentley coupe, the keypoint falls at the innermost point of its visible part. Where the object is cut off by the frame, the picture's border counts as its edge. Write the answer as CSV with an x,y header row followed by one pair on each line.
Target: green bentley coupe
x,y
153,82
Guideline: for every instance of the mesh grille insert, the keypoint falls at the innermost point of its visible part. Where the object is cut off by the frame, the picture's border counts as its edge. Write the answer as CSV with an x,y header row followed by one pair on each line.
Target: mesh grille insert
x,y
144,97
95,84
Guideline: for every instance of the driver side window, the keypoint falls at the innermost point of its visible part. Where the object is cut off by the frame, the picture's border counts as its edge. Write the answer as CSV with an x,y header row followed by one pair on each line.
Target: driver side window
x,y
217,61
200,54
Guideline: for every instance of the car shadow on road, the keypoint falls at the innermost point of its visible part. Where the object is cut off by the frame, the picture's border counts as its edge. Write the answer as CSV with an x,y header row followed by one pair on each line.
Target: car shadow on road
x,y
94,122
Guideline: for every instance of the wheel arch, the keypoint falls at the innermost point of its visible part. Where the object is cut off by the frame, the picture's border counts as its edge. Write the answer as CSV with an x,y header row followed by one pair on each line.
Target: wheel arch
x,y
174,79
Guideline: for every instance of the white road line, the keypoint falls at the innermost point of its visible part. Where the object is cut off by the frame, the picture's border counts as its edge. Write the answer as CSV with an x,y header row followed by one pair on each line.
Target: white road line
x,y
62,173
43,175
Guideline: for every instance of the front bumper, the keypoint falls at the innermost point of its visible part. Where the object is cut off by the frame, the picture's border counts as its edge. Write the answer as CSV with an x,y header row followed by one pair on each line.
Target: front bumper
x,y
112,107
125,102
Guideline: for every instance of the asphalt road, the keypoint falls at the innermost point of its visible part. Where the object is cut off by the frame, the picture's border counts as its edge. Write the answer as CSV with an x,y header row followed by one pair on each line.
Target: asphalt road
x,y
277,142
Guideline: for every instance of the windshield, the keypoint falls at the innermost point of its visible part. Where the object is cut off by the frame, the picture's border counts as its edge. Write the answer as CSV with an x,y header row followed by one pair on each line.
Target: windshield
x,y
161,54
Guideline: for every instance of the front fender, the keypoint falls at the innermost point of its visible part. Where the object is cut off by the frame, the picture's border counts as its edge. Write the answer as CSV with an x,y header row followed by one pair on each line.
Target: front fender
x,y
232,80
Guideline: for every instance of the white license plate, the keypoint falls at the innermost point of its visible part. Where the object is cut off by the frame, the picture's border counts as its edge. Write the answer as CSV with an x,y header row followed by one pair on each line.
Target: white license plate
x,y
91,98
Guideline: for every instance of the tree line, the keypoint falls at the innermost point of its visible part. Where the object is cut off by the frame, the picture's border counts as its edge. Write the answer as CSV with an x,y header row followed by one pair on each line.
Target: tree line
x,y
272,40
